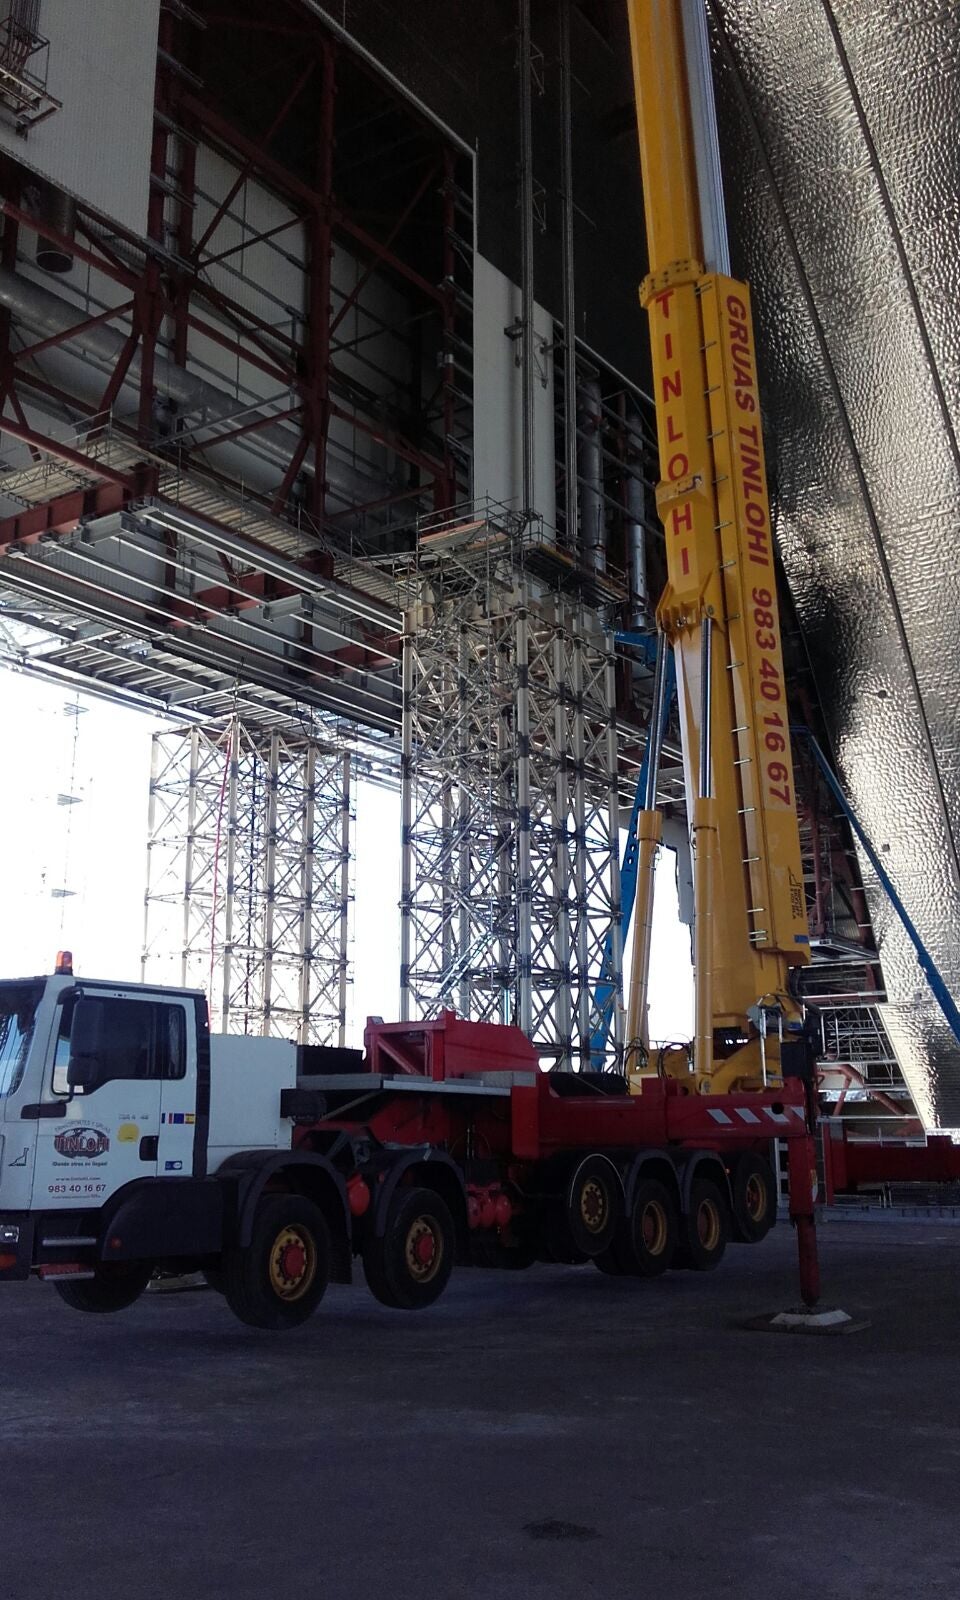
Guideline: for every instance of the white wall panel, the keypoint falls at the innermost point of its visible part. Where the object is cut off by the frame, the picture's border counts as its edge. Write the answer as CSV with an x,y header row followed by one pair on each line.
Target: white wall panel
x,y
266,278
498,444
102,67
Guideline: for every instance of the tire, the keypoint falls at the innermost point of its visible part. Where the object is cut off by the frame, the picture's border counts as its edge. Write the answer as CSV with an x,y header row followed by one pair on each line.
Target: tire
x,y
618,1261
705,1227
593,1205
754,1191
409,1266
654,1227
556,1247
278,1281
214,1278
114,1288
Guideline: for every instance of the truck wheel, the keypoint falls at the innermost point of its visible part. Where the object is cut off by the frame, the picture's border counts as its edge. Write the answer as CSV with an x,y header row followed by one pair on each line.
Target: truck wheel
x,y
754,1190
705,1228
278,1281
618,1260
654,1227
594,1205
410,1265
113,1288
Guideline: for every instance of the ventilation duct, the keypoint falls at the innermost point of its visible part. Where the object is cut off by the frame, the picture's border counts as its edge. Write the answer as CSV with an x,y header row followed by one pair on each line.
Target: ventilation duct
x,y
58,211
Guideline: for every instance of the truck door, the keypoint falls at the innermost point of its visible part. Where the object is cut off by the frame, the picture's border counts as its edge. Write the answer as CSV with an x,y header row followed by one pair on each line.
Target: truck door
x,y
109,1133
23,1017
178,1096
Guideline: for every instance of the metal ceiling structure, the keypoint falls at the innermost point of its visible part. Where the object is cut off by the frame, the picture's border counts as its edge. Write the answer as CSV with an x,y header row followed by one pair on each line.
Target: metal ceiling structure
x,y
838,123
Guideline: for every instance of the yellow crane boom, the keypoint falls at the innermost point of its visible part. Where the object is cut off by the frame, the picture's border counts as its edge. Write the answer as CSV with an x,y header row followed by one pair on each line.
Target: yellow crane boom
x,y
718,612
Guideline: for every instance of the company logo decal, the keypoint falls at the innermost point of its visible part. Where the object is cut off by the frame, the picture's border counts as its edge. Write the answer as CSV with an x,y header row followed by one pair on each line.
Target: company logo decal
x,y
83,1143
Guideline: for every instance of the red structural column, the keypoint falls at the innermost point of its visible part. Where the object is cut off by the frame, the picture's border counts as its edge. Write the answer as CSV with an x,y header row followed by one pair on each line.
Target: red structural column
x,y
802,1177
8,257
186,183
319,308
149,295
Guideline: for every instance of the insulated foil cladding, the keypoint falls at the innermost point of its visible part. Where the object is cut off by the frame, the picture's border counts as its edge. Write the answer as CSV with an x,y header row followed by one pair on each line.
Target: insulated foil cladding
x,y
839,131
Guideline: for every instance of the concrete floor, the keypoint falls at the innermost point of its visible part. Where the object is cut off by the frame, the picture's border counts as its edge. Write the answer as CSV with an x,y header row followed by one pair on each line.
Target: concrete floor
x,y
536,1435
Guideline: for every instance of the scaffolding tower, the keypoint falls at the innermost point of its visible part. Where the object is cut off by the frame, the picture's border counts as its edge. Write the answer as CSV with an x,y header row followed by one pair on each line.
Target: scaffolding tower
x,y
509,789
248,878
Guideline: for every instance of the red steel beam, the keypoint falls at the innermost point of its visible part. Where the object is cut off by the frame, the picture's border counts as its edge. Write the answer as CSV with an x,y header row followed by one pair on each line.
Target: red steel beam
x,y
150,296
285,181
209,332
30,350
392,441
124,359
247,427
248,166
95,239
186,183
288,183
397,264
253,24
240,314
383,250
251,239
135,282
26,219
320,289
377,505
62,514
63,452
286,483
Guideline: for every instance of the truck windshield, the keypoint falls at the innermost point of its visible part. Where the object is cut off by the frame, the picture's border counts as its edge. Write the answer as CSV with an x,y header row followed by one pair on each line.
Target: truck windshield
x,y
18,1007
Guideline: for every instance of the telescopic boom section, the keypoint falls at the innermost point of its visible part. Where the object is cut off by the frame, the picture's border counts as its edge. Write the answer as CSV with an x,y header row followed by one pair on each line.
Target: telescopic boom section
x,y
719,608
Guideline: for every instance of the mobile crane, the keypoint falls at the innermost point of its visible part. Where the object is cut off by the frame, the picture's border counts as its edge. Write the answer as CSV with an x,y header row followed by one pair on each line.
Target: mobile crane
x,y
131,1139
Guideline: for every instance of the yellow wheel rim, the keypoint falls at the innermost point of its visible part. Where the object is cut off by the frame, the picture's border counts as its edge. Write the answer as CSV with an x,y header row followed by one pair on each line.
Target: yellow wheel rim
x,y
653,1228
293,1263
755,1198
593,1206
423,1250
708,1224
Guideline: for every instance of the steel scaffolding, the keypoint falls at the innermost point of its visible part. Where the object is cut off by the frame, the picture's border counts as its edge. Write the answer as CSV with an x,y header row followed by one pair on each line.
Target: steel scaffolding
x,y
510,805
248,878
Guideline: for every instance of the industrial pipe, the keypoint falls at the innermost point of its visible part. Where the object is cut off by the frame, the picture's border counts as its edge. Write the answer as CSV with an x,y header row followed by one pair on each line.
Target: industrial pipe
x,y
635,498
590,437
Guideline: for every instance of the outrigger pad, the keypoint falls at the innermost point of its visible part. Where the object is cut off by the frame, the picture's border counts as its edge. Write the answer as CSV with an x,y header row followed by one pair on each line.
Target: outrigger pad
x,y
804,1319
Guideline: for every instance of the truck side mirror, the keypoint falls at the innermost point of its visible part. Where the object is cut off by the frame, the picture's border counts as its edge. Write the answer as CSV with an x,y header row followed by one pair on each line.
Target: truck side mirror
x,y
84,1068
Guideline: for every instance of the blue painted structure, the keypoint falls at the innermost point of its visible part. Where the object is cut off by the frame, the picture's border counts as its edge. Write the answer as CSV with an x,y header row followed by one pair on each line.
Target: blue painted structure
x,y
605,993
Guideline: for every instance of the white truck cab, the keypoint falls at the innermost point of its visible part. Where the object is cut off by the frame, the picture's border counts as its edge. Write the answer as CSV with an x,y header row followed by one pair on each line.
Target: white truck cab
x,y
130,1138
99,1086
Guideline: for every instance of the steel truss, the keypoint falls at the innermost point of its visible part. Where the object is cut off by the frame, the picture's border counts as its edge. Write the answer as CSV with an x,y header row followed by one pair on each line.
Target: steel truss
x,y
510,852
114,391
843,987
248,890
